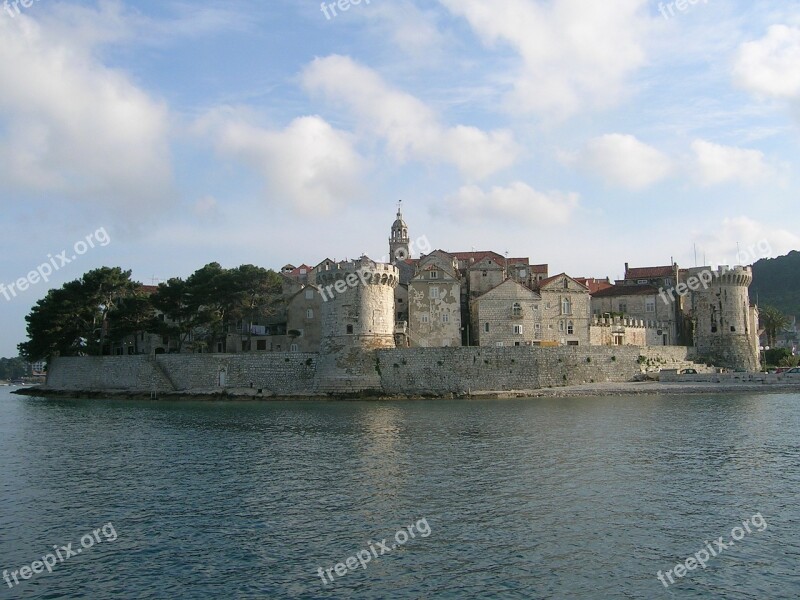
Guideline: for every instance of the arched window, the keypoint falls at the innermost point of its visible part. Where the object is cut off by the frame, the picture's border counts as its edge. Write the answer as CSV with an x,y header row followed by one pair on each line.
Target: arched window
x,y
566,306
516,309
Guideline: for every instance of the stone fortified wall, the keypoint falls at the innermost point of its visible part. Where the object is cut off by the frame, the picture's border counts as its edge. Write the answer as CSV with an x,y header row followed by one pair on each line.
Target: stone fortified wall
x,y
392,372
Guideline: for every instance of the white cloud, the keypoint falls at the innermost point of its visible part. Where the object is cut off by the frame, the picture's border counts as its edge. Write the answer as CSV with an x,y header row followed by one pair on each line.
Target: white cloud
x,y
409,127
72,128
309,163
576,54
771,66
743,240
411,29
622,160
517,203
716,164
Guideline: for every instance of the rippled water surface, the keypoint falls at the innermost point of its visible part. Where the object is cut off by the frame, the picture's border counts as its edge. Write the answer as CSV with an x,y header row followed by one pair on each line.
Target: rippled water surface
x,y
545,498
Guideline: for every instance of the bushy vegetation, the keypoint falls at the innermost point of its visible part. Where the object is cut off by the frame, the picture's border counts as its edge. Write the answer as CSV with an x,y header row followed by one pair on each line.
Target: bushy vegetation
x,y
88,315
776,282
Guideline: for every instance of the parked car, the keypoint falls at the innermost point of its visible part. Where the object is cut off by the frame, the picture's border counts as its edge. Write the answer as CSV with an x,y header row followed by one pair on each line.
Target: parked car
x,y
688,372
793,371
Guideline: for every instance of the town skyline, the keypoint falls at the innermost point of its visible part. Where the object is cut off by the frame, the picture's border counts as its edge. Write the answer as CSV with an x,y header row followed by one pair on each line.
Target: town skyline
x,y
674,136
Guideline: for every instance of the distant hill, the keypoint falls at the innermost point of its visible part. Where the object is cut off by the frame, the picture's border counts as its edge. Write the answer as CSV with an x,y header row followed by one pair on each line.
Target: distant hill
x,y
776,282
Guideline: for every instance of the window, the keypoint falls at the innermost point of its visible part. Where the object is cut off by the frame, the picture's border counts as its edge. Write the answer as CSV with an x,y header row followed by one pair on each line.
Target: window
x,y
310,313
484,273
445,318
523,273
517,329
650,305
566,283
499,344
548,305
570,328
349,329
425,318
293,348
486,327
303,271
623,307
261,344
537,326
535,308
641,281
434,274
516,309
566,306
434,293
309,294
561,325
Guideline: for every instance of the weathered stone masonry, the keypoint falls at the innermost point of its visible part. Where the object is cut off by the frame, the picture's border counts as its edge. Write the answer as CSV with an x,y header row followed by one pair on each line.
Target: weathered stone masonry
x,y
390,372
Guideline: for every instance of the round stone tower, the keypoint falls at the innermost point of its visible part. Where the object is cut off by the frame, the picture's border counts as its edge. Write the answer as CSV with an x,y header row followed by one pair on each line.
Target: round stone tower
x,y
725,325
358,305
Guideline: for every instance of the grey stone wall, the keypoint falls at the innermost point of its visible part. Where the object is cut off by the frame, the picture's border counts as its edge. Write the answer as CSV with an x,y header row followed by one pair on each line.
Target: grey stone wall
x,y
402,371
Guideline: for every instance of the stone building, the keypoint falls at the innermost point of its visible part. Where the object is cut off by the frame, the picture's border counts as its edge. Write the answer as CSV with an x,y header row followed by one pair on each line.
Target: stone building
x,y
565,311
434,302
639,303
725,324
303,321
358,305
617,331
507,315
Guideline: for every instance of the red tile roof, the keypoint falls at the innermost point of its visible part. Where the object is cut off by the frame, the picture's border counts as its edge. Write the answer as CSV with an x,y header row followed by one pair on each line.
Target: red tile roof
x,y
649,272
594,285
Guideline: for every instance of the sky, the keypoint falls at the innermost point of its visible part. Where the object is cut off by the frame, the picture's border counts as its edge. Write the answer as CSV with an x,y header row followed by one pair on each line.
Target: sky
x,y
161,136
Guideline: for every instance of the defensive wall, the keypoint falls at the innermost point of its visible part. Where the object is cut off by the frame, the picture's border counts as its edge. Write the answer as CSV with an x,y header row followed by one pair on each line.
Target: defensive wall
x,y
387,372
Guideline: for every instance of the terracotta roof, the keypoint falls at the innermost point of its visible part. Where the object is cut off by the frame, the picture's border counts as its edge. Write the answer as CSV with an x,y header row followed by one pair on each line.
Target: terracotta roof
x,y
594,285
296,272
476,256
539,268
626,290
649,272
148,289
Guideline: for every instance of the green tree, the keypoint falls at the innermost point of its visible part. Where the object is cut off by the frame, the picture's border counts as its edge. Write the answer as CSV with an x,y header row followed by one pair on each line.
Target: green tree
x,y
73,320
133,316
14,368
772,321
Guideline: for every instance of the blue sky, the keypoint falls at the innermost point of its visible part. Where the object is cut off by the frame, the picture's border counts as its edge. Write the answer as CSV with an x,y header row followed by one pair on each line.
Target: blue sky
x,y
581,134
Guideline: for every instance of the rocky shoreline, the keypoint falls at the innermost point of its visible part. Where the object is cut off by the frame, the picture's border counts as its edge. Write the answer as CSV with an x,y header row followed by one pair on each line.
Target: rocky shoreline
x,y
582,390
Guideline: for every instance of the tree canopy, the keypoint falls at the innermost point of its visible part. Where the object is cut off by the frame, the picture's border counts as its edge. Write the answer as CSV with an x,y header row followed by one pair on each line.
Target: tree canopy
x,y
88,315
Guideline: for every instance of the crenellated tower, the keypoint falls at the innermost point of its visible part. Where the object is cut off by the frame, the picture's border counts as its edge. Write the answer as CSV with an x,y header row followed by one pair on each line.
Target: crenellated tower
x,y
725,325
358,306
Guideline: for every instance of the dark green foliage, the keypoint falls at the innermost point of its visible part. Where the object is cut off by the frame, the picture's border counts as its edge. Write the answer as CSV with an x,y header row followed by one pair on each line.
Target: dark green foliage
x,y
776,282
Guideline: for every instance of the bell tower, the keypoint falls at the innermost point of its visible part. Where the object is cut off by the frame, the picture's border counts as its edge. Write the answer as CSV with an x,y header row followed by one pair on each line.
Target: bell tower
x,y
399,242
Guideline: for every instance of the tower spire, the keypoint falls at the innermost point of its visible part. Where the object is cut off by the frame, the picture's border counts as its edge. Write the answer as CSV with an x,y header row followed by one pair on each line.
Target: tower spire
x,y
399,243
